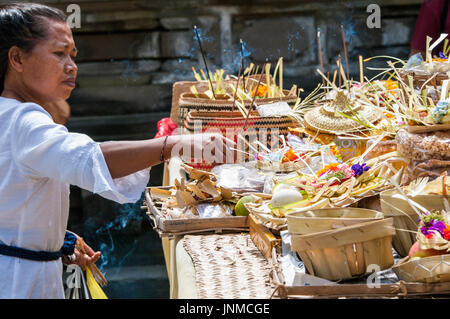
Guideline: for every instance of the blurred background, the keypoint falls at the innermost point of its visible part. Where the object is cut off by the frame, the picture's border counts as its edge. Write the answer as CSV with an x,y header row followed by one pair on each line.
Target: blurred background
x,y
132,51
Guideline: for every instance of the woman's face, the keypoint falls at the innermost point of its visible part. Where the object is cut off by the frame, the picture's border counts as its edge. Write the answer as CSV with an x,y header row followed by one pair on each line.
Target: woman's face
x,y
49,70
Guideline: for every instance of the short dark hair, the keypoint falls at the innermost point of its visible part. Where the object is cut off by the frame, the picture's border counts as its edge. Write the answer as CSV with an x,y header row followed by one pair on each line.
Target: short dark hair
x,y
23,25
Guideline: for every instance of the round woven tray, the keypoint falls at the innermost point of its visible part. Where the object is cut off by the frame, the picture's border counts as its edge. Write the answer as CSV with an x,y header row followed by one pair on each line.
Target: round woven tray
x,y
229,266
427,270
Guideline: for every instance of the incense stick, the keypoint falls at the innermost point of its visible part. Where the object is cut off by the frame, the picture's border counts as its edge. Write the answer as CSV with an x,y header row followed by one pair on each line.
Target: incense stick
x,y
254,97
242,64
94,269
204,59
345,50
320,55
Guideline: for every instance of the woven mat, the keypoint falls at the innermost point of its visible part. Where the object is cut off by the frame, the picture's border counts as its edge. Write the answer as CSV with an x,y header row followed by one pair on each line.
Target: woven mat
x,y
228,266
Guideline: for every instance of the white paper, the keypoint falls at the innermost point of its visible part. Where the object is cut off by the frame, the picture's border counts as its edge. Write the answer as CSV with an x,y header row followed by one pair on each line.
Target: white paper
x,y
274,109
293,268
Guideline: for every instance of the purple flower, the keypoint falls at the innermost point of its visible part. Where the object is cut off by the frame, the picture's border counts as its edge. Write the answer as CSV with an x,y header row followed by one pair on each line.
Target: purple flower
x,y
359,169
438,225
442,55
435,225
424,230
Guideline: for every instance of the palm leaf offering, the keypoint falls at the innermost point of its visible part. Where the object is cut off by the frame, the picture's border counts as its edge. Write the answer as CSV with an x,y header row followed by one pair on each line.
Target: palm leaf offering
x,y
335,185
246,89
352,142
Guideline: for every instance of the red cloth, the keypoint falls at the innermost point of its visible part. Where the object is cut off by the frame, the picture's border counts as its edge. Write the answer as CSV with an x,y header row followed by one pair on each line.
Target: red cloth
x,y
165,127
429,24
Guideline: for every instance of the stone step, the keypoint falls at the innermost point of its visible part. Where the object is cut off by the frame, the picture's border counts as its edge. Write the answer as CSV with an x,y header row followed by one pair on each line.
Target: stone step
x,y
135,273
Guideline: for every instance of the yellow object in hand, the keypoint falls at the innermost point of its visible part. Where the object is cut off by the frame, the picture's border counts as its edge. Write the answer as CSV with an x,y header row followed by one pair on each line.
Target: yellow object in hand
x,y
94,288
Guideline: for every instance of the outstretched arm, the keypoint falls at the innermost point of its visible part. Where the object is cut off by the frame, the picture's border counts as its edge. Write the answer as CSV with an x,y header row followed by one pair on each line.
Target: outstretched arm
x,y
126,157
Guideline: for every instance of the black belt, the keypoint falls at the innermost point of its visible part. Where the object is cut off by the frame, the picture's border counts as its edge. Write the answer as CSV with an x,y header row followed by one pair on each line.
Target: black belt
x,y
24,253
67,249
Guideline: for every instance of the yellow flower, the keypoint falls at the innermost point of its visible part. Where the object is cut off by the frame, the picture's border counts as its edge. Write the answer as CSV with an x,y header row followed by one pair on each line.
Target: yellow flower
x,y
390,85
331,167
262,90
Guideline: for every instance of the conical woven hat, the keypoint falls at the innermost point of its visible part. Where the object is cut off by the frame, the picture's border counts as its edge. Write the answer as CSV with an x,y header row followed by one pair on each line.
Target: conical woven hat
x,y
327,117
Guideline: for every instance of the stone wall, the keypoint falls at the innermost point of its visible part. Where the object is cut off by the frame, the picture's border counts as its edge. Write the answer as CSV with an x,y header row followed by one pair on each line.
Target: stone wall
x,y
131,52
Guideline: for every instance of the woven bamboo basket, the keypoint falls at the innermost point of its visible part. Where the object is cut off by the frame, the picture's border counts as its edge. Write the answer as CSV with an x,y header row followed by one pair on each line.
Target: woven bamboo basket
x,y
202,103
318,220
182,87
179,88
182,95
347,252
435,269
405,218
420,78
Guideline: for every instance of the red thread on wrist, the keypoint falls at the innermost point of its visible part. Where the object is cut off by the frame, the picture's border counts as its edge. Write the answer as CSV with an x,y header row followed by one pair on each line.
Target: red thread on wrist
x,y
162,149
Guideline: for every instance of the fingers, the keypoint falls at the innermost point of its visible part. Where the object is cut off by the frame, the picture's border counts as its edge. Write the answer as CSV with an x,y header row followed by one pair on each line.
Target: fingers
x,y
210,147
87,249
80,259
219,137
84,260
95,257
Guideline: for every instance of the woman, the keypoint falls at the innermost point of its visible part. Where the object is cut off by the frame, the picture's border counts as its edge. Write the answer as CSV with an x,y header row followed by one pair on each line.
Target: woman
x,y
40,159
432,21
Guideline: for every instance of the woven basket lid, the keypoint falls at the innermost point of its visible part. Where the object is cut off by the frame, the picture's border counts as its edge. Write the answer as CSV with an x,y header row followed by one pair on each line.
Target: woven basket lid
x,y
327,119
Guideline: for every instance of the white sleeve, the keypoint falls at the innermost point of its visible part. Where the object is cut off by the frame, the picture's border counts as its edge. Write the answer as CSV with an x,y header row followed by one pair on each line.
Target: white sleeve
x,y
43,149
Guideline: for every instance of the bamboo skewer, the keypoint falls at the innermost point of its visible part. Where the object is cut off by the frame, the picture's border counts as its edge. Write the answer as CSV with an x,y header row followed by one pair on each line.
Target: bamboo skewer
x,y
246,142
204,59
361,70
263,146
334,77
344,78
237,87
339,71
238,150
328,77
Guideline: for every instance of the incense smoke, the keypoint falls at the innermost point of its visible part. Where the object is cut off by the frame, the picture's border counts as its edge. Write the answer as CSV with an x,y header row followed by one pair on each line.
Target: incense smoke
x,y
129,219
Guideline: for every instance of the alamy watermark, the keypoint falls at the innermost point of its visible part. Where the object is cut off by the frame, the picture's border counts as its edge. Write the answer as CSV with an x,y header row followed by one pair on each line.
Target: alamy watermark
x,y
226,145
74,278
74,16
374,19
373,280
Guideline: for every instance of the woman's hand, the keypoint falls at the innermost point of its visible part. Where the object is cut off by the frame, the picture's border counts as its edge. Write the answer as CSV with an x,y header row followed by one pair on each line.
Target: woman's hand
x,y
86,258
84,255
210,147
126,157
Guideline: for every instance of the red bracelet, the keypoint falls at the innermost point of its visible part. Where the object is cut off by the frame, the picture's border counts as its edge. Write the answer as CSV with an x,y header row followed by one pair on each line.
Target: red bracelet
x,y
162,149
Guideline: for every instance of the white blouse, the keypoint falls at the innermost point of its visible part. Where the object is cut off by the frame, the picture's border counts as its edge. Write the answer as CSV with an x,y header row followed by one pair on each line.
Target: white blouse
x,y
39,160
